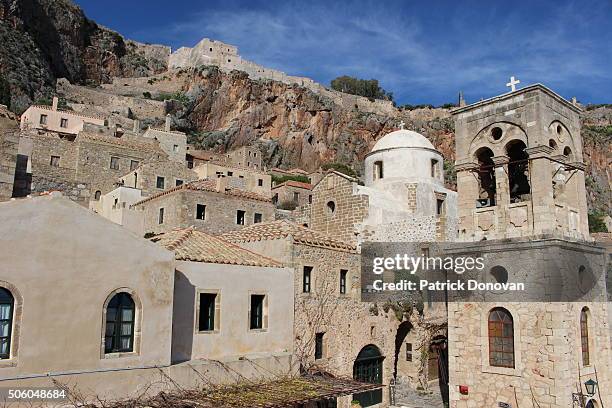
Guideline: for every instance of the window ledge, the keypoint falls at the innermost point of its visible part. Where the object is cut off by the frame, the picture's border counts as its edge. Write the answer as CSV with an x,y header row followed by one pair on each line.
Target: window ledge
x,y
502,370
8,362
123,354
258,330
216,331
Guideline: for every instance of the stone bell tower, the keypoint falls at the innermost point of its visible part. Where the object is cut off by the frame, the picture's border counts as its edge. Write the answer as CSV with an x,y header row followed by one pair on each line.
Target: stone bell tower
x,y
520,170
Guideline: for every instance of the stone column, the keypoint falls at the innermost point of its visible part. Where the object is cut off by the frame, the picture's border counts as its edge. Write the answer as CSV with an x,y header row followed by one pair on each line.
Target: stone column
x,y
540,177
502,194
467,194
578,198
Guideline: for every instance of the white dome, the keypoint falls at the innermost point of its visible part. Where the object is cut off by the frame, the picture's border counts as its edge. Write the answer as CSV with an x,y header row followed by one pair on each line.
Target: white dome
x,y
402,139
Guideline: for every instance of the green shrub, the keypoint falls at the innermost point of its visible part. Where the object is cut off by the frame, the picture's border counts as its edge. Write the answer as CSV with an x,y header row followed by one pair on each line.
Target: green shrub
x,y
596,221
340,167
276,180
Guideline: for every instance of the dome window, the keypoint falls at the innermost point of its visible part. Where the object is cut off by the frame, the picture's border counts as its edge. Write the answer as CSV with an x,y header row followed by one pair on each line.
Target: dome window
x,y
434,168
378,170
559,129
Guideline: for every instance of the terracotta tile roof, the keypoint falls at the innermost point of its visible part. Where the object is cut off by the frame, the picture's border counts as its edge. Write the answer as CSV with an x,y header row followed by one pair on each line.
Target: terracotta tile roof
x,y
189,244
68,112
207,185
283,229
293,183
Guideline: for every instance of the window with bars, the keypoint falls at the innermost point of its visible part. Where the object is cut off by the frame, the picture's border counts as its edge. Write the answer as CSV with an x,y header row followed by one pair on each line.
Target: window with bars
x,y
63,122
306,279
257,312
584,335
55,161
7,304
120,316
343,274
319,345
501,338
208,302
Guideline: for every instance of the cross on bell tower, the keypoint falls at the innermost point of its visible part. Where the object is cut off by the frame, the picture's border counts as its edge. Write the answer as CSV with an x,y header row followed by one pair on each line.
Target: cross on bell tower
x,y
402,124
513,83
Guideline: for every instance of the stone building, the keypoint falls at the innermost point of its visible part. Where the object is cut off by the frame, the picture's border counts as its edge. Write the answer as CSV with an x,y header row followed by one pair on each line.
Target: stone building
x,y
9,144
241,300
53,119
173,142
246,156
403,199
334,329
82,166
250,178
292,194
155,176
522,208
214,206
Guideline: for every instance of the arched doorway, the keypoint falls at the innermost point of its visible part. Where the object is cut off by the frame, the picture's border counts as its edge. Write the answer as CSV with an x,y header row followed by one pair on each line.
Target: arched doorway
x,y
403,350
592,404
438,364
368,367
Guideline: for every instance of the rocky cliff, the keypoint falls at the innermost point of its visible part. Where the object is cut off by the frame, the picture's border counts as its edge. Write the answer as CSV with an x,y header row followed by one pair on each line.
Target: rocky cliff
x,y
42,40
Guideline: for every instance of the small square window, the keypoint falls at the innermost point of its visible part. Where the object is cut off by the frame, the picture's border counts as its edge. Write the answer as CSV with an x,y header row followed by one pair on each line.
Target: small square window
x,y
319,346
257,312
306,279
114,163
190,164
230,173
175,148
206,320
343,274
160,219
55,161
257,218
240,217
408,351
161,181
178,182
296,196
43,119
260,182
134,164
309,198
200,212
63,122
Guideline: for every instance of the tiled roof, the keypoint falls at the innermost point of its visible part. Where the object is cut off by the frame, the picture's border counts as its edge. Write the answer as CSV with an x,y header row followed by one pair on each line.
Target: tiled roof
x,y
282,229
292,183
207,185
189,244
68,112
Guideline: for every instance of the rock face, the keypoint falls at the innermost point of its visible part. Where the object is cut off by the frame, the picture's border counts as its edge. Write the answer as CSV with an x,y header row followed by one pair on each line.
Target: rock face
x,y
293,125
43,40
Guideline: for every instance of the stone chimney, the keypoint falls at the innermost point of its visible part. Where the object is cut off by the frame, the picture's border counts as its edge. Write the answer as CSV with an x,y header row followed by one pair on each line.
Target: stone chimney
x,y
136,128
55,103
168,121
461,99
221,184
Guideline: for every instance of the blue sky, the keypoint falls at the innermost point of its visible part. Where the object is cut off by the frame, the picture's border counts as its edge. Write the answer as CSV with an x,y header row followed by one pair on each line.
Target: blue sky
x,y
422,51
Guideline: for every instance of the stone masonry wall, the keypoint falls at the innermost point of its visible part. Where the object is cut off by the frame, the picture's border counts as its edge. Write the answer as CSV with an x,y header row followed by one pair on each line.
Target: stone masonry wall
x,y
9,142
180,211
349,210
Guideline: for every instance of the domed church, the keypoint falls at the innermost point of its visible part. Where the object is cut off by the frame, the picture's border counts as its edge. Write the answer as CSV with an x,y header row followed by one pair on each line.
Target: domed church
x,y
403,197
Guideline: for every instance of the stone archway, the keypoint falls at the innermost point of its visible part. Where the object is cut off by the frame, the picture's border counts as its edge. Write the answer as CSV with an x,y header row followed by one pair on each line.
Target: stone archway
x,y
368,367
438,364
401,347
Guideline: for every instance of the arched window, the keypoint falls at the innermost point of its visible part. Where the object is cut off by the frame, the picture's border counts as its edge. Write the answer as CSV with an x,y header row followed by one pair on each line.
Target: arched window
x,y
97,195
584,335
518,171
501,338
7,304
486,177
368,367
120,316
